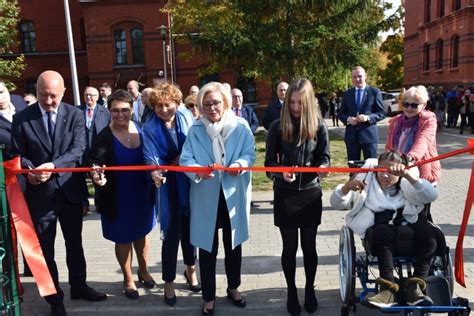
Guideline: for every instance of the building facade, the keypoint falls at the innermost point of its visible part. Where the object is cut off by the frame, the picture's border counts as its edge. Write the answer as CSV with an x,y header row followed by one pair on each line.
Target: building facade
x,y
439,43
115,42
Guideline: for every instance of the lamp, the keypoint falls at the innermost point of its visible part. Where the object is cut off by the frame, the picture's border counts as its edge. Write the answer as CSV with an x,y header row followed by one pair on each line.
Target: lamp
x,y
164,34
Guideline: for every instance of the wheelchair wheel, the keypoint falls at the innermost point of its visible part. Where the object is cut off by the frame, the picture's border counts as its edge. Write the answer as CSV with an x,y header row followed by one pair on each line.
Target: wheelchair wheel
x,y
347,268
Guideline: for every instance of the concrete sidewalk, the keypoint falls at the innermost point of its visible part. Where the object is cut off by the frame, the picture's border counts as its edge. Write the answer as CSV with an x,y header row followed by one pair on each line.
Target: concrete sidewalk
x,y
263,282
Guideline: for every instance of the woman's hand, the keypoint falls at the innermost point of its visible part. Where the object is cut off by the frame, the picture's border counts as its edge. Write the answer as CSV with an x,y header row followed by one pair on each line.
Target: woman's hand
x,y
158,177
401,170
236,172
353,185
98,175
289,176
323,174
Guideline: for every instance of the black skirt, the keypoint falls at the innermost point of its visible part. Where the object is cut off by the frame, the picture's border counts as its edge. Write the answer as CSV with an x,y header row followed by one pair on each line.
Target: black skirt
x,y
297,209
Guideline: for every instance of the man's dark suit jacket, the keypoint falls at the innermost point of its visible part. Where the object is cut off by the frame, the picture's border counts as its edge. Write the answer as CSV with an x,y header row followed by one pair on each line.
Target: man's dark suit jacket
x,y
100,120
6,127
31,141
372,106
249,115
272,112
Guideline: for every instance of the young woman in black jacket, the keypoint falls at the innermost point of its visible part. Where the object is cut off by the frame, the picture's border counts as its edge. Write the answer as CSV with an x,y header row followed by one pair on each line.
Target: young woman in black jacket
x,y
299,138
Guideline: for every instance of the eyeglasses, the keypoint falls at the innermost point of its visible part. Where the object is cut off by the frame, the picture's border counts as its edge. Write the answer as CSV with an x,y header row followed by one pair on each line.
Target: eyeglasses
x,y
412,105
90,95
214,104
121,111
191,105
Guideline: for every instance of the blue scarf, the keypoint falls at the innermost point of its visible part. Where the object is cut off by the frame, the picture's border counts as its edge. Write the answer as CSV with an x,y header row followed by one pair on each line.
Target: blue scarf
x,y
161,150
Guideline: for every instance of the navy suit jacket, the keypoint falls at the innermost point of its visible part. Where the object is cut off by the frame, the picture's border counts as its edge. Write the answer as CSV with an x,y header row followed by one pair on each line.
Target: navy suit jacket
x,y
272,112
30,140
249,115
6,127
370,105
100,120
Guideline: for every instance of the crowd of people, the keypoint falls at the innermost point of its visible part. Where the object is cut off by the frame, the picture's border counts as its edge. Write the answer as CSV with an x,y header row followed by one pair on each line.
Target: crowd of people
x,y
213,126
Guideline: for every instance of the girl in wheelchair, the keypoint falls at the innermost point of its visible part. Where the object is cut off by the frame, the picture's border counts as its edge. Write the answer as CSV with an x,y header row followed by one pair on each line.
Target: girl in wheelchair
x,y
383,201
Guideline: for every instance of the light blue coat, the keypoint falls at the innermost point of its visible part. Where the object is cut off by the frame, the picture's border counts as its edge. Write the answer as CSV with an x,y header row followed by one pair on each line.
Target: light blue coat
x,y
204,195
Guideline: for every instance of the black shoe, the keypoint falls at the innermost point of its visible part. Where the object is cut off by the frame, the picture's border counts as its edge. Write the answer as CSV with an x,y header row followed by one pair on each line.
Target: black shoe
x,y
87,293
195,288
149,284
132,294
310,301
292,304
58,310
170,301
208,311
241,302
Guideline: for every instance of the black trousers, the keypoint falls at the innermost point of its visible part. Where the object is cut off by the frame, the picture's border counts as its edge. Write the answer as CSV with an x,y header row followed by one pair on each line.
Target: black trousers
x,y
426,242
178,230
232,261
70,220
354,150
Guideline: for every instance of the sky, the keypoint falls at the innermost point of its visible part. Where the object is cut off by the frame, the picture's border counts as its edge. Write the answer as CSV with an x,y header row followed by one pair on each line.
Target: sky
x,y
395,5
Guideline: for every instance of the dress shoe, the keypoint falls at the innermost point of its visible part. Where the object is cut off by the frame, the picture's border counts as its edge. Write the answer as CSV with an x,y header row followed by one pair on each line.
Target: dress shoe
x,y
208,311
87,293
131,294
170,301
292,304
58,310
241,302
195,288
149,284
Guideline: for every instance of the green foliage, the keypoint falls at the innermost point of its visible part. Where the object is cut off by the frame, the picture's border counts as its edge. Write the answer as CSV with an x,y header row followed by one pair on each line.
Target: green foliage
x,y
271,39
9,66
391,77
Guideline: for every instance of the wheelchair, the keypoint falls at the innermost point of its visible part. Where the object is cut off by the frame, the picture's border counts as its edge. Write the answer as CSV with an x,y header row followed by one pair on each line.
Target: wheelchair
x,y
364,266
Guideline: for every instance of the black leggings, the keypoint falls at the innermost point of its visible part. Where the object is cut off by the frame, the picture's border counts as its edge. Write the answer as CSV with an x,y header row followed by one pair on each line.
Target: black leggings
x,y
288,255
426,241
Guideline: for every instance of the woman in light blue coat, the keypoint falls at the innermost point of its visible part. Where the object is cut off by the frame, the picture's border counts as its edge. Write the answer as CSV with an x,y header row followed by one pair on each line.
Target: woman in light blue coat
x,y
219,199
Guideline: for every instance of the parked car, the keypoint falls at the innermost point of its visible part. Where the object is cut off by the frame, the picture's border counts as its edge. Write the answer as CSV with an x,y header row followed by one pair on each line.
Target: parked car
x,y
390,103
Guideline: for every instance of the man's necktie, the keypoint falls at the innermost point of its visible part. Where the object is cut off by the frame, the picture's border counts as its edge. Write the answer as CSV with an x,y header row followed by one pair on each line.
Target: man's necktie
x,y
89,117
358,99
50,126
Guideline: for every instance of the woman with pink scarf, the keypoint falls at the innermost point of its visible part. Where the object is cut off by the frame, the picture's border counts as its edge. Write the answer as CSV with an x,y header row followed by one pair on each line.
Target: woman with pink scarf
x,y
413,133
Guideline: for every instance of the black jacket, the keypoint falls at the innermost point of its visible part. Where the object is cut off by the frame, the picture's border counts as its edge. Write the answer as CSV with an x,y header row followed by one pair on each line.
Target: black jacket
x,y
312,153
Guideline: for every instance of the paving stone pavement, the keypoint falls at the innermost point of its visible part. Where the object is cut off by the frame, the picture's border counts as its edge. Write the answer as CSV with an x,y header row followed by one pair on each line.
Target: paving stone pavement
x,y
263,282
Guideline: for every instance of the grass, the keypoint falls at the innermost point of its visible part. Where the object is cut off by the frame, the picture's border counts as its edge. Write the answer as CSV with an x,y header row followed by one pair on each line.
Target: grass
x,y
337,150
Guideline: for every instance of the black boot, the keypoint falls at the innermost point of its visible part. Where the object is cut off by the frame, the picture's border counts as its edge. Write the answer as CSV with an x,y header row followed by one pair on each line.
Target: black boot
x,y
292,304
310,301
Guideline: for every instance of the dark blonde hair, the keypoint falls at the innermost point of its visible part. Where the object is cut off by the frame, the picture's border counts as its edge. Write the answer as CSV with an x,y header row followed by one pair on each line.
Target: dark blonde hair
x,y
310,115
165,92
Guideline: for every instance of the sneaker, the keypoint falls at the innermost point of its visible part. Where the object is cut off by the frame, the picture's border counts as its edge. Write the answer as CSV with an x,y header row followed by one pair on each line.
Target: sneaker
x,y
414,295
386,296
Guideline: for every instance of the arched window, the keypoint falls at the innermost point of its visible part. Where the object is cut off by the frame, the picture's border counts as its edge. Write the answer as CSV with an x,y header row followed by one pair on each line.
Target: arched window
x,y
455,51
138,52
27,37
427,11
426,57
439,54
120,47
440,8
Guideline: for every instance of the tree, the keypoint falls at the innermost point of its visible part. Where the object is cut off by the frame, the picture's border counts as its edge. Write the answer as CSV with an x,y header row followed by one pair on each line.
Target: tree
x,y
10,66
271,39
391,77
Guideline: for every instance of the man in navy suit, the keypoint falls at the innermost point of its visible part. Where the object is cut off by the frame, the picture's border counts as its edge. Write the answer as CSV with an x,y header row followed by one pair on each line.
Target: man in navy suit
x,y
272,112
51,134
244,111
361,109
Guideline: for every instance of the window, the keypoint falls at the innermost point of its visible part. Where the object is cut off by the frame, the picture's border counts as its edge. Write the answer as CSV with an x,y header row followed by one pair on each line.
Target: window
x,y
120,47
30,86
456,5
455,51
426,57
27,37
439,54
82,29
138,53
440,8
427,11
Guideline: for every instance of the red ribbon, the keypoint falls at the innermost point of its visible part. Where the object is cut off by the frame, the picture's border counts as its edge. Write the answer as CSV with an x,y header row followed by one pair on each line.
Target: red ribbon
x,y
25,230
21,214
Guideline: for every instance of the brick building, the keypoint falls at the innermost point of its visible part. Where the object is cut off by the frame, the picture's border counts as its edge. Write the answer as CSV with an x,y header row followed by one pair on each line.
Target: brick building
x,y
115,41
439,42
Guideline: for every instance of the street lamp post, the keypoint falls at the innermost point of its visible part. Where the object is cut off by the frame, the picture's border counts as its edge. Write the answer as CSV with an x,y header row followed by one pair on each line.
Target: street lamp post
x,y
163,31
